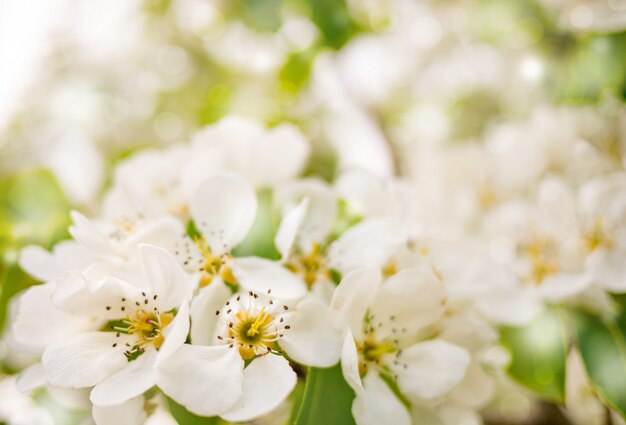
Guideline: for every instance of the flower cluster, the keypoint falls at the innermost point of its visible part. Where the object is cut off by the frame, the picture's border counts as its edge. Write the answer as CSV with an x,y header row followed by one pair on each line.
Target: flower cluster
x,y
155,292
405,194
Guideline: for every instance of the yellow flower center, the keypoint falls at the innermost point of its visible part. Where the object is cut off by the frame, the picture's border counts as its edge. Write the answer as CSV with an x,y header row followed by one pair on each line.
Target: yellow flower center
x,y
213,265
597,236
542,254
312,266
371,352
144,325
254,329
254,334
487,197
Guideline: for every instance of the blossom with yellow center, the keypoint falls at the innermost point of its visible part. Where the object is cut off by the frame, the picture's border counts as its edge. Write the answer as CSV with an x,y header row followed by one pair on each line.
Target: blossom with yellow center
x,y
143,325
597,236
312,266
255,328
541,252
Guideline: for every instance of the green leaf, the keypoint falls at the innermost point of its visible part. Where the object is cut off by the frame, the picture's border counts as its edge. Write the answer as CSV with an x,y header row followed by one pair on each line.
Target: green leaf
x,y
260,15
327,399
602,345
33,210
297,69
260,238
334,21
539,354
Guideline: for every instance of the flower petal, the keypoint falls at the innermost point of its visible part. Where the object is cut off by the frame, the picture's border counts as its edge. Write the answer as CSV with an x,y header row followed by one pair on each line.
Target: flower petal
x,y
130,412
88,234
165,276
91,353
223,209
563,285
137,377
350,363
412,296
432,368
267,381
379,405
312,338
165,232
206,380
40,264
203,307
320,213
260,275
32,305
370,243
289,227
353,297
32,377
176,333
608,269
77,295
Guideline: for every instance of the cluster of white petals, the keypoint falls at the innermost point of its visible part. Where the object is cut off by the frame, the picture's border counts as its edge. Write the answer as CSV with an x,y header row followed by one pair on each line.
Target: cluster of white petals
x,y
219,268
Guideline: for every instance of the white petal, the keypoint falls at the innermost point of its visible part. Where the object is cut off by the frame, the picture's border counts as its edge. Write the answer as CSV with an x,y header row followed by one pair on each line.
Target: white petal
x,y
509,306
452,414
260,275
165,276
476,389
379,405
76,295
203,307
354,296
412,297
370,243
137,377
267,381
206,380
282,155
88,234
223,209
33,305
289,227
128,413
432,368
350,363
40,264
312,338
32,377
83,360
563,285
176,333
321,211
608,269
165,232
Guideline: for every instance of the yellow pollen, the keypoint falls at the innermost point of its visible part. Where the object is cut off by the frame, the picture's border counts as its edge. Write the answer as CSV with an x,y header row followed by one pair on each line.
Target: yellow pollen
x,y
253,334
541,252
310,266
372,351
213,265
597,237
390,268
147,329
486,197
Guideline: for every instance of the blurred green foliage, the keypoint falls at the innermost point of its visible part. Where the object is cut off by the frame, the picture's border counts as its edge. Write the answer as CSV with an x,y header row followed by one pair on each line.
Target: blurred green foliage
x,y
33,210
602,345
539,354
